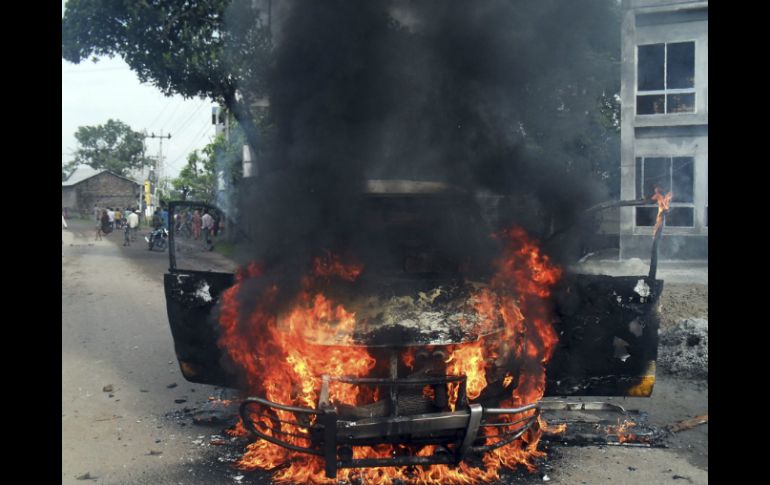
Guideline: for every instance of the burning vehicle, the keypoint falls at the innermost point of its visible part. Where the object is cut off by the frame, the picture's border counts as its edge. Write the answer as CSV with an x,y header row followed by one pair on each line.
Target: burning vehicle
x,y
425,365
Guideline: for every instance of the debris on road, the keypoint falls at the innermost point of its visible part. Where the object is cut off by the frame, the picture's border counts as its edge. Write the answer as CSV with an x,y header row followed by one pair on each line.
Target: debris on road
x,y
114,416
216,411
216,440
688,423
171,386
86,476
154,453
107,388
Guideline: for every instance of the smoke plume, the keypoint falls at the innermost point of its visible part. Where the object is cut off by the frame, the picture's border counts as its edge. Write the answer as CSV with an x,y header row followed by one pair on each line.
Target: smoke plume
x,y
495,98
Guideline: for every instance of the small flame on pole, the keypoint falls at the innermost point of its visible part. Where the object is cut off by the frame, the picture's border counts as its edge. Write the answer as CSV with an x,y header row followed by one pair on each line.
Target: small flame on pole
x,y
664,204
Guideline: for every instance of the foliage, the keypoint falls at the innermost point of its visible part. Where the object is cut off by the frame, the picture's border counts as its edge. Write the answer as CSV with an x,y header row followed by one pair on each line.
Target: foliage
x,y
198,179
113,146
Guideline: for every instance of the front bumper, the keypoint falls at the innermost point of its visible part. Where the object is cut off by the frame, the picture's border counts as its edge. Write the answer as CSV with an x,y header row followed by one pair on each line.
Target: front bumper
x,y
331,432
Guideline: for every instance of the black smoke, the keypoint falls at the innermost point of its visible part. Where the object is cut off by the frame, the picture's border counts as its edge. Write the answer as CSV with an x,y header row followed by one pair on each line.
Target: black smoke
x,y
491,96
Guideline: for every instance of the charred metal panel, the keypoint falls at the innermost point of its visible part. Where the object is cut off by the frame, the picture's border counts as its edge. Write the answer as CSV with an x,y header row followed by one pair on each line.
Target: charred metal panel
x,y
190,301
608,336
607,326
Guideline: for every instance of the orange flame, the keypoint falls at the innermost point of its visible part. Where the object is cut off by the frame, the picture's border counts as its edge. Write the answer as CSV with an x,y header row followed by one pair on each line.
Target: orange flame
x,y
467,360
664,203
623,434
283,354
332,266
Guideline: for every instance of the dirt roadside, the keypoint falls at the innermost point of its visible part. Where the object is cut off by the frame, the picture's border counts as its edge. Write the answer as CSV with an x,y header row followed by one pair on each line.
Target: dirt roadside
x,y
683,300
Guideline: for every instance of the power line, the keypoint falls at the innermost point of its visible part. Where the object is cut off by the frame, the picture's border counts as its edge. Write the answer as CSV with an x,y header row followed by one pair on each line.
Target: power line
x,y
198,137
162,111
195,139
187,121
176,108
159,164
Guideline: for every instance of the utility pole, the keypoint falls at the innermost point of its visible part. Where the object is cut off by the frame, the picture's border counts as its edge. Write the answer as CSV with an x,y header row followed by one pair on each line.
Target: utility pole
x,y
140,207
158,163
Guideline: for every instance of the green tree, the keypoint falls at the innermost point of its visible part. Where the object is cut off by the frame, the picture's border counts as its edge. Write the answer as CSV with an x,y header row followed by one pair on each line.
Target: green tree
x,y
216,48
197,180
113,146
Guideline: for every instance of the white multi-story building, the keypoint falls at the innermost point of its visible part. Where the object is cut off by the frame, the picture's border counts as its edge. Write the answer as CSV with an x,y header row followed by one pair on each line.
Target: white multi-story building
x,y
664,125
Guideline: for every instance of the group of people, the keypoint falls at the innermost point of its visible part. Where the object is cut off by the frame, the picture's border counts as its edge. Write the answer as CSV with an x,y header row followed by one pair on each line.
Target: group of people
x,y
109,219
197,225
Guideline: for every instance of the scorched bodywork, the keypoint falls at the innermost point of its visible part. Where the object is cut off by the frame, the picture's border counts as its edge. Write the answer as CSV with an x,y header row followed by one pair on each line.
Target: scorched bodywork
x,y
607,345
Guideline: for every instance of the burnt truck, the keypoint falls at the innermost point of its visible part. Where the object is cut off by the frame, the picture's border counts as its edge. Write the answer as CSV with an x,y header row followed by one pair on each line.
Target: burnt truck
x,y
407,310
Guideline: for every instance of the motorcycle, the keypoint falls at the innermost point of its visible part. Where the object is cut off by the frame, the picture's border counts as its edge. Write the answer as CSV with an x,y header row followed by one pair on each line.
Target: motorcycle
x,y
157,239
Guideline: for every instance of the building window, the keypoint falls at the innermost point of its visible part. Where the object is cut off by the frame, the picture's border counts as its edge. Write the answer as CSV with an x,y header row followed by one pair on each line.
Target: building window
x,y
665,78
671,174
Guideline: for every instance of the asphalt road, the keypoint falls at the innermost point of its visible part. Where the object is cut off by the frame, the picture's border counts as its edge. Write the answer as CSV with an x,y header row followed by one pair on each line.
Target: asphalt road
x,y
115,333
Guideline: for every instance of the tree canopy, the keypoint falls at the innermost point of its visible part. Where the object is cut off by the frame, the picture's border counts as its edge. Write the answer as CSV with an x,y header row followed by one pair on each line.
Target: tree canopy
x,y
113,146
199,178
215,48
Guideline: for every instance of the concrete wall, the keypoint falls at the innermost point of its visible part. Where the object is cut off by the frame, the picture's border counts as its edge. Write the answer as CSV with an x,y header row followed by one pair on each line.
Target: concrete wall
x,y
104,190
69,198
664,135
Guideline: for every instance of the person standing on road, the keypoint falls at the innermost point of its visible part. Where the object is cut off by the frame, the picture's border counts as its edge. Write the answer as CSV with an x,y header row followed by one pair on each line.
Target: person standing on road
x,y
196,225
111,216
133,223
126,235
104,227
164,217
63,224
208,224
118,218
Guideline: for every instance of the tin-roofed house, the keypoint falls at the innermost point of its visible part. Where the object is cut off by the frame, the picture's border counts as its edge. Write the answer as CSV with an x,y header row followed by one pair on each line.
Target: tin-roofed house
x,y
87,187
